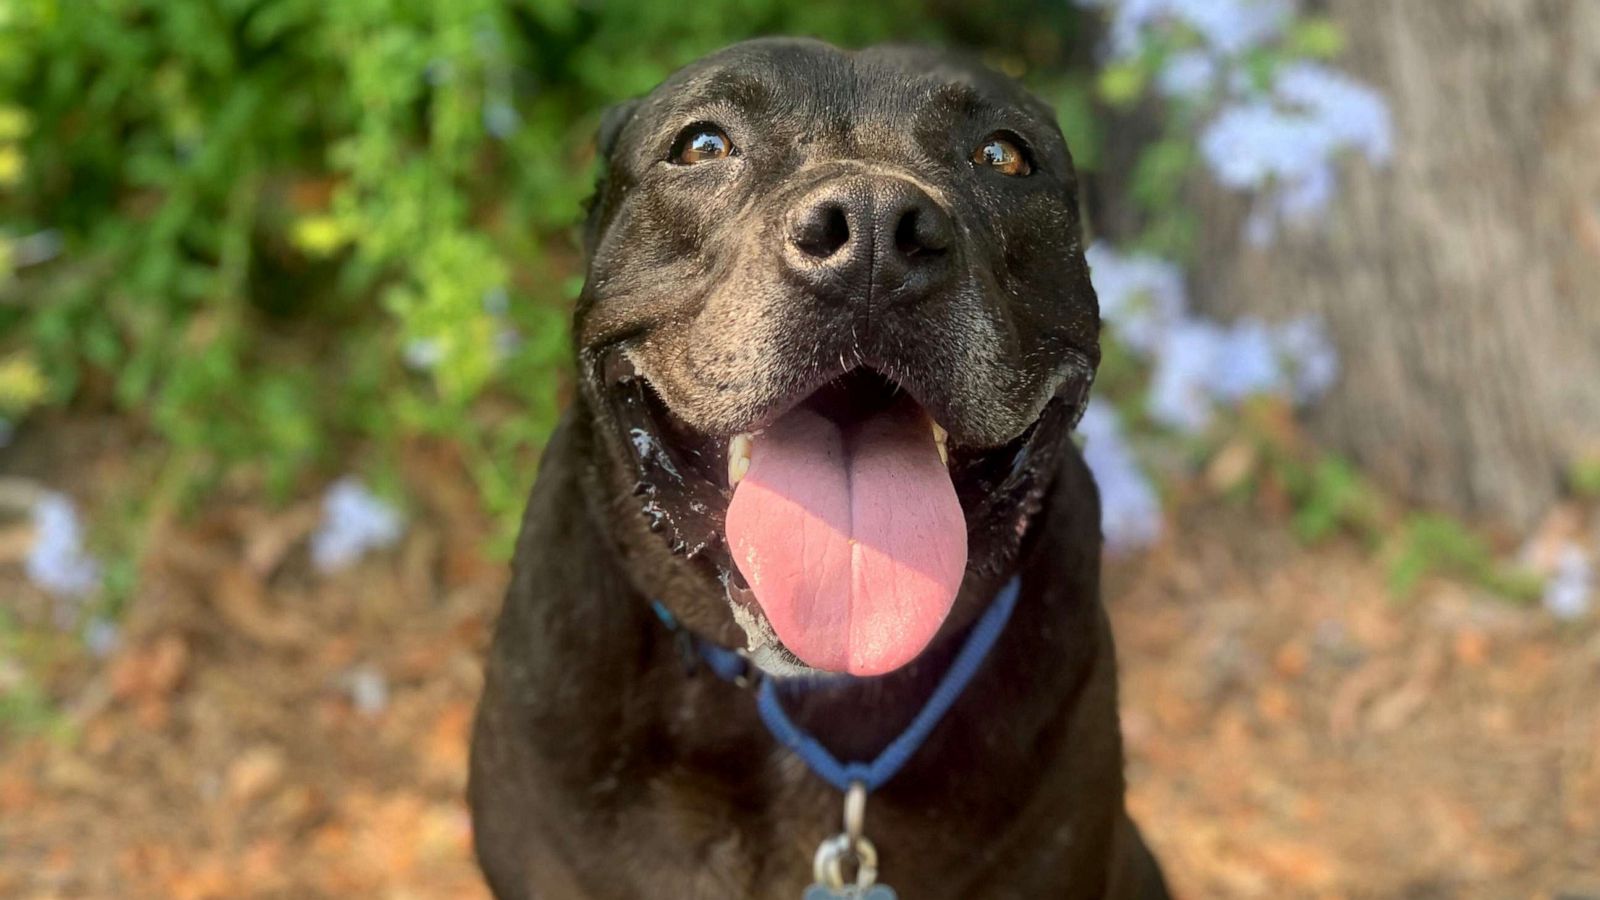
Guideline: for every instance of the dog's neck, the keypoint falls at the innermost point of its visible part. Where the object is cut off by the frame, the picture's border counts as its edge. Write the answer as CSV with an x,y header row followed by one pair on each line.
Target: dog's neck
x,y
1046,649
593,722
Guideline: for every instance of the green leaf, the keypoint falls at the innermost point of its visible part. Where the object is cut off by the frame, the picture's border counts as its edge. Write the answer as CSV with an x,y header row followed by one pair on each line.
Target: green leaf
x,y
1081,124
1122,84
1161,173
1317,37
1584,477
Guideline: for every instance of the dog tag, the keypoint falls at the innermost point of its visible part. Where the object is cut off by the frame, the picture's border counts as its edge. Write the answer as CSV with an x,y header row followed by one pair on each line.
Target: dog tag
x,y
848,847
828,870
876,892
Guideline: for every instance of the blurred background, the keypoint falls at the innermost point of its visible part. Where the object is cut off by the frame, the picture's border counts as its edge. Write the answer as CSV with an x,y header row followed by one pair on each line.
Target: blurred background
x,y
284,288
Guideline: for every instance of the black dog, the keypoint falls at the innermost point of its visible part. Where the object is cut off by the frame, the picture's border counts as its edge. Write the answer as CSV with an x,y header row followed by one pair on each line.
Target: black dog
x,y
800,259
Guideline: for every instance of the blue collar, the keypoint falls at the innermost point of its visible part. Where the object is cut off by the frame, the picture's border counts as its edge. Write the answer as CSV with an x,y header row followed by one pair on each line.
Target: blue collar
x,y
729,665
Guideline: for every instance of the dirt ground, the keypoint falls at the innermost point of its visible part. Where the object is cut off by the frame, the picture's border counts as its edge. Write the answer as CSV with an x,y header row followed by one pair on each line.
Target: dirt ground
x,y
1292,730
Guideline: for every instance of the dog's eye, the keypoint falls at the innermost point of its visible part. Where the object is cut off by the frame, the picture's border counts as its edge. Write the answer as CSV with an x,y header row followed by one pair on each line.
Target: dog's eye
x,y
701,143
1002,154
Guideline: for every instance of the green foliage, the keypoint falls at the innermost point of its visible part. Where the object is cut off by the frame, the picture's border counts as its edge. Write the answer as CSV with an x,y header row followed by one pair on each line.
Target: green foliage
x,y
1315,37
266,207
22,386
1160,177
1080,119
1331,496
1584,477
25,707
1328,497
1166,165
1123,84
1440,545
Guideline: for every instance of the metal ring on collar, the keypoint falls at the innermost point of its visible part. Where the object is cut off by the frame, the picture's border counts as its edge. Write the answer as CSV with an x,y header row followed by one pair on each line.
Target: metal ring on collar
x,y
828,866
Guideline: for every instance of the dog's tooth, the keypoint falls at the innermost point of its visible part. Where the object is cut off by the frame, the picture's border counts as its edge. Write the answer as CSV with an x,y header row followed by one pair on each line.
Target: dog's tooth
x,y
941,440
738,458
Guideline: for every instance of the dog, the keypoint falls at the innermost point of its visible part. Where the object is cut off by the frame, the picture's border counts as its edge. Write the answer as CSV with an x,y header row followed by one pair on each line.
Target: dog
x,y
836,330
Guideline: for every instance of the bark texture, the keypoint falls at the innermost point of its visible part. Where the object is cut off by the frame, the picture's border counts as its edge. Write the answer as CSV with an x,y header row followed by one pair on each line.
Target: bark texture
x,y
1462,282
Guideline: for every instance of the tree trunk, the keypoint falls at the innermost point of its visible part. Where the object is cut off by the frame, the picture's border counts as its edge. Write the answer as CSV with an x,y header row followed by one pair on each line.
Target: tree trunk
x,y
1462,282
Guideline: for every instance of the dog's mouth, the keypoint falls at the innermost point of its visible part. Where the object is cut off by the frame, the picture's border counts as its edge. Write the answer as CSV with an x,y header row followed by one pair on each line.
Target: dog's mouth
x,y
844,525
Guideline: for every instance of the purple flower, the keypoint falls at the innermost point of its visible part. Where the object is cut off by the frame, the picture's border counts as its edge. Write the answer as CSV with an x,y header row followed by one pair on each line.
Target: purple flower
x,y
1234,26
1200,364
1250,144
500,119
368,689
353,522
422,354
1567,594
1187,74
1129,20
57,561
1130,511
1348,112
1312,359
1281,142
1141,296
1286,145
496,301
102,637
1246,362
1227,26
1305,198
1180,387
36,248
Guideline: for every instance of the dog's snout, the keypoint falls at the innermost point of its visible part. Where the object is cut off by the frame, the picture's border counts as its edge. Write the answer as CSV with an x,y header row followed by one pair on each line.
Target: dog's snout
x,y
821,230
863,237
922,229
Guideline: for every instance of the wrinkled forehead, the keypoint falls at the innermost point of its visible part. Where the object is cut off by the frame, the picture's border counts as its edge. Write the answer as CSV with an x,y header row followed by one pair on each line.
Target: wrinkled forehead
x,y
844,91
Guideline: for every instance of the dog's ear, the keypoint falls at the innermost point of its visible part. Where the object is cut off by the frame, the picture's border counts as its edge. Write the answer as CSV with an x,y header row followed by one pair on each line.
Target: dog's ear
x,y
612,121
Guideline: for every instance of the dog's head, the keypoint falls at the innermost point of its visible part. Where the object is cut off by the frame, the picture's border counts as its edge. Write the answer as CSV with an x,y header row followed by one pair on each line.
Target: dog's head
x,y
836,329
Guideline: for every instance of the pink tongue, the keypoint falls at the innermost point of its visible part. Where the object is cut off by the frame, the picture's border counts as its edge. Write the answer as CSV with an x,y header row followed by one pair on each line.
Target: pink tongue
x,y
852,540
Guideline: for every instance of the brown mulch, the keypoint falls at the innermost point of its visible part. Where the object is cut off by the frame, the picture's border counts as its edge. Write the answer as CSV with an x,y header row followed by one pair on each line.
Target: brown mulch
x,y
1292,729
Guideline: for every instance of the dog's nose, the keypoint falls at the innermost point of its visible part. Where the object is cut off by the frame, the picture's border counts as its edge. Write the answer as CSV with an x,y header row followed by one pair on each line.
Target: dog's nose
x,y
881,237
